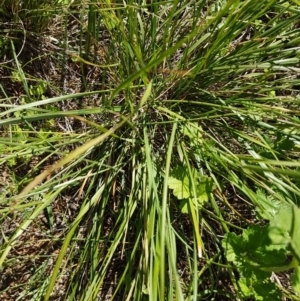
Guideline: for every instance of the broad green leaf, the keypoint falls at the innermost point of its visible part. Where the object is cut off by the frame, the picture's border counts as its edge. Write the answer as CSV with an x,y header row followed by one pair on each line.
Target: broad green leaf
x,y
268,206
280,227
180,183
245,288
295,233
296,280
285,145
234,245
252,248
204,189
267,291
257,284
184,206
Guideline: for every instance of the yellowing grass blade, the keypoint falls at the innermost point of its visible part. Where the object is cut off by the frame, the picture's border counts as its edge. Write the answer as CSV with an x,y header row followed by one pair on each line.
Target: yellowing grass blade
x,y
146,95
71,156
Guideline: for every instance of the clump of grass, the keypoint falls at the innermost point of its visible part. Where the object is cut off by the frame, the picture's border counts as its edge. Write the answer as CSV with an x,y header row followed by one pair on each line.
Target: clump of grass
x,y
181,116
34,15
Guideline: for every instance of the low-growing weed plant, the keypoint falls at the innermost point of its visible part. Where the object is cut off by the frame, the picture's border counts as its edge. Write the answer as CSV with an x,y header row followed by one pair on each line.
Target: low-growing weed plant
x,y
149,150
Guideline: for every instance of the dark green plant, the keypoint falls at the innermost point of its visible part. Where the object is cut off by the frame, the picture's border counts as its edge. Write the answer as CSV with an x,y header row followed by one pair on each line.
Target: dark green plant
x,y
260,251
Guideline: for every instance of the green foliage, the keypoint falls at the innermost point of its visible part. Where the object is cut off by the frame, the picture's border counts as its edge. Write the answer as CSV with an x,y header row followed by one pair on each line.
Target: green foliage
x,y
23,23
268,206
259,286
35,15
38,90
181,182
253,246
259,251
207,89
285,229
295,277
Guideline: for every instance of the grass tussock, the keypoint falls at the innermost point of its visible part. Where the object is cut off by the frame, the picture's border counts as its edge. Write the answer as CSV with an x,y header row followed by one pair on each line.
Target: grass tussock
x,y
144,146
